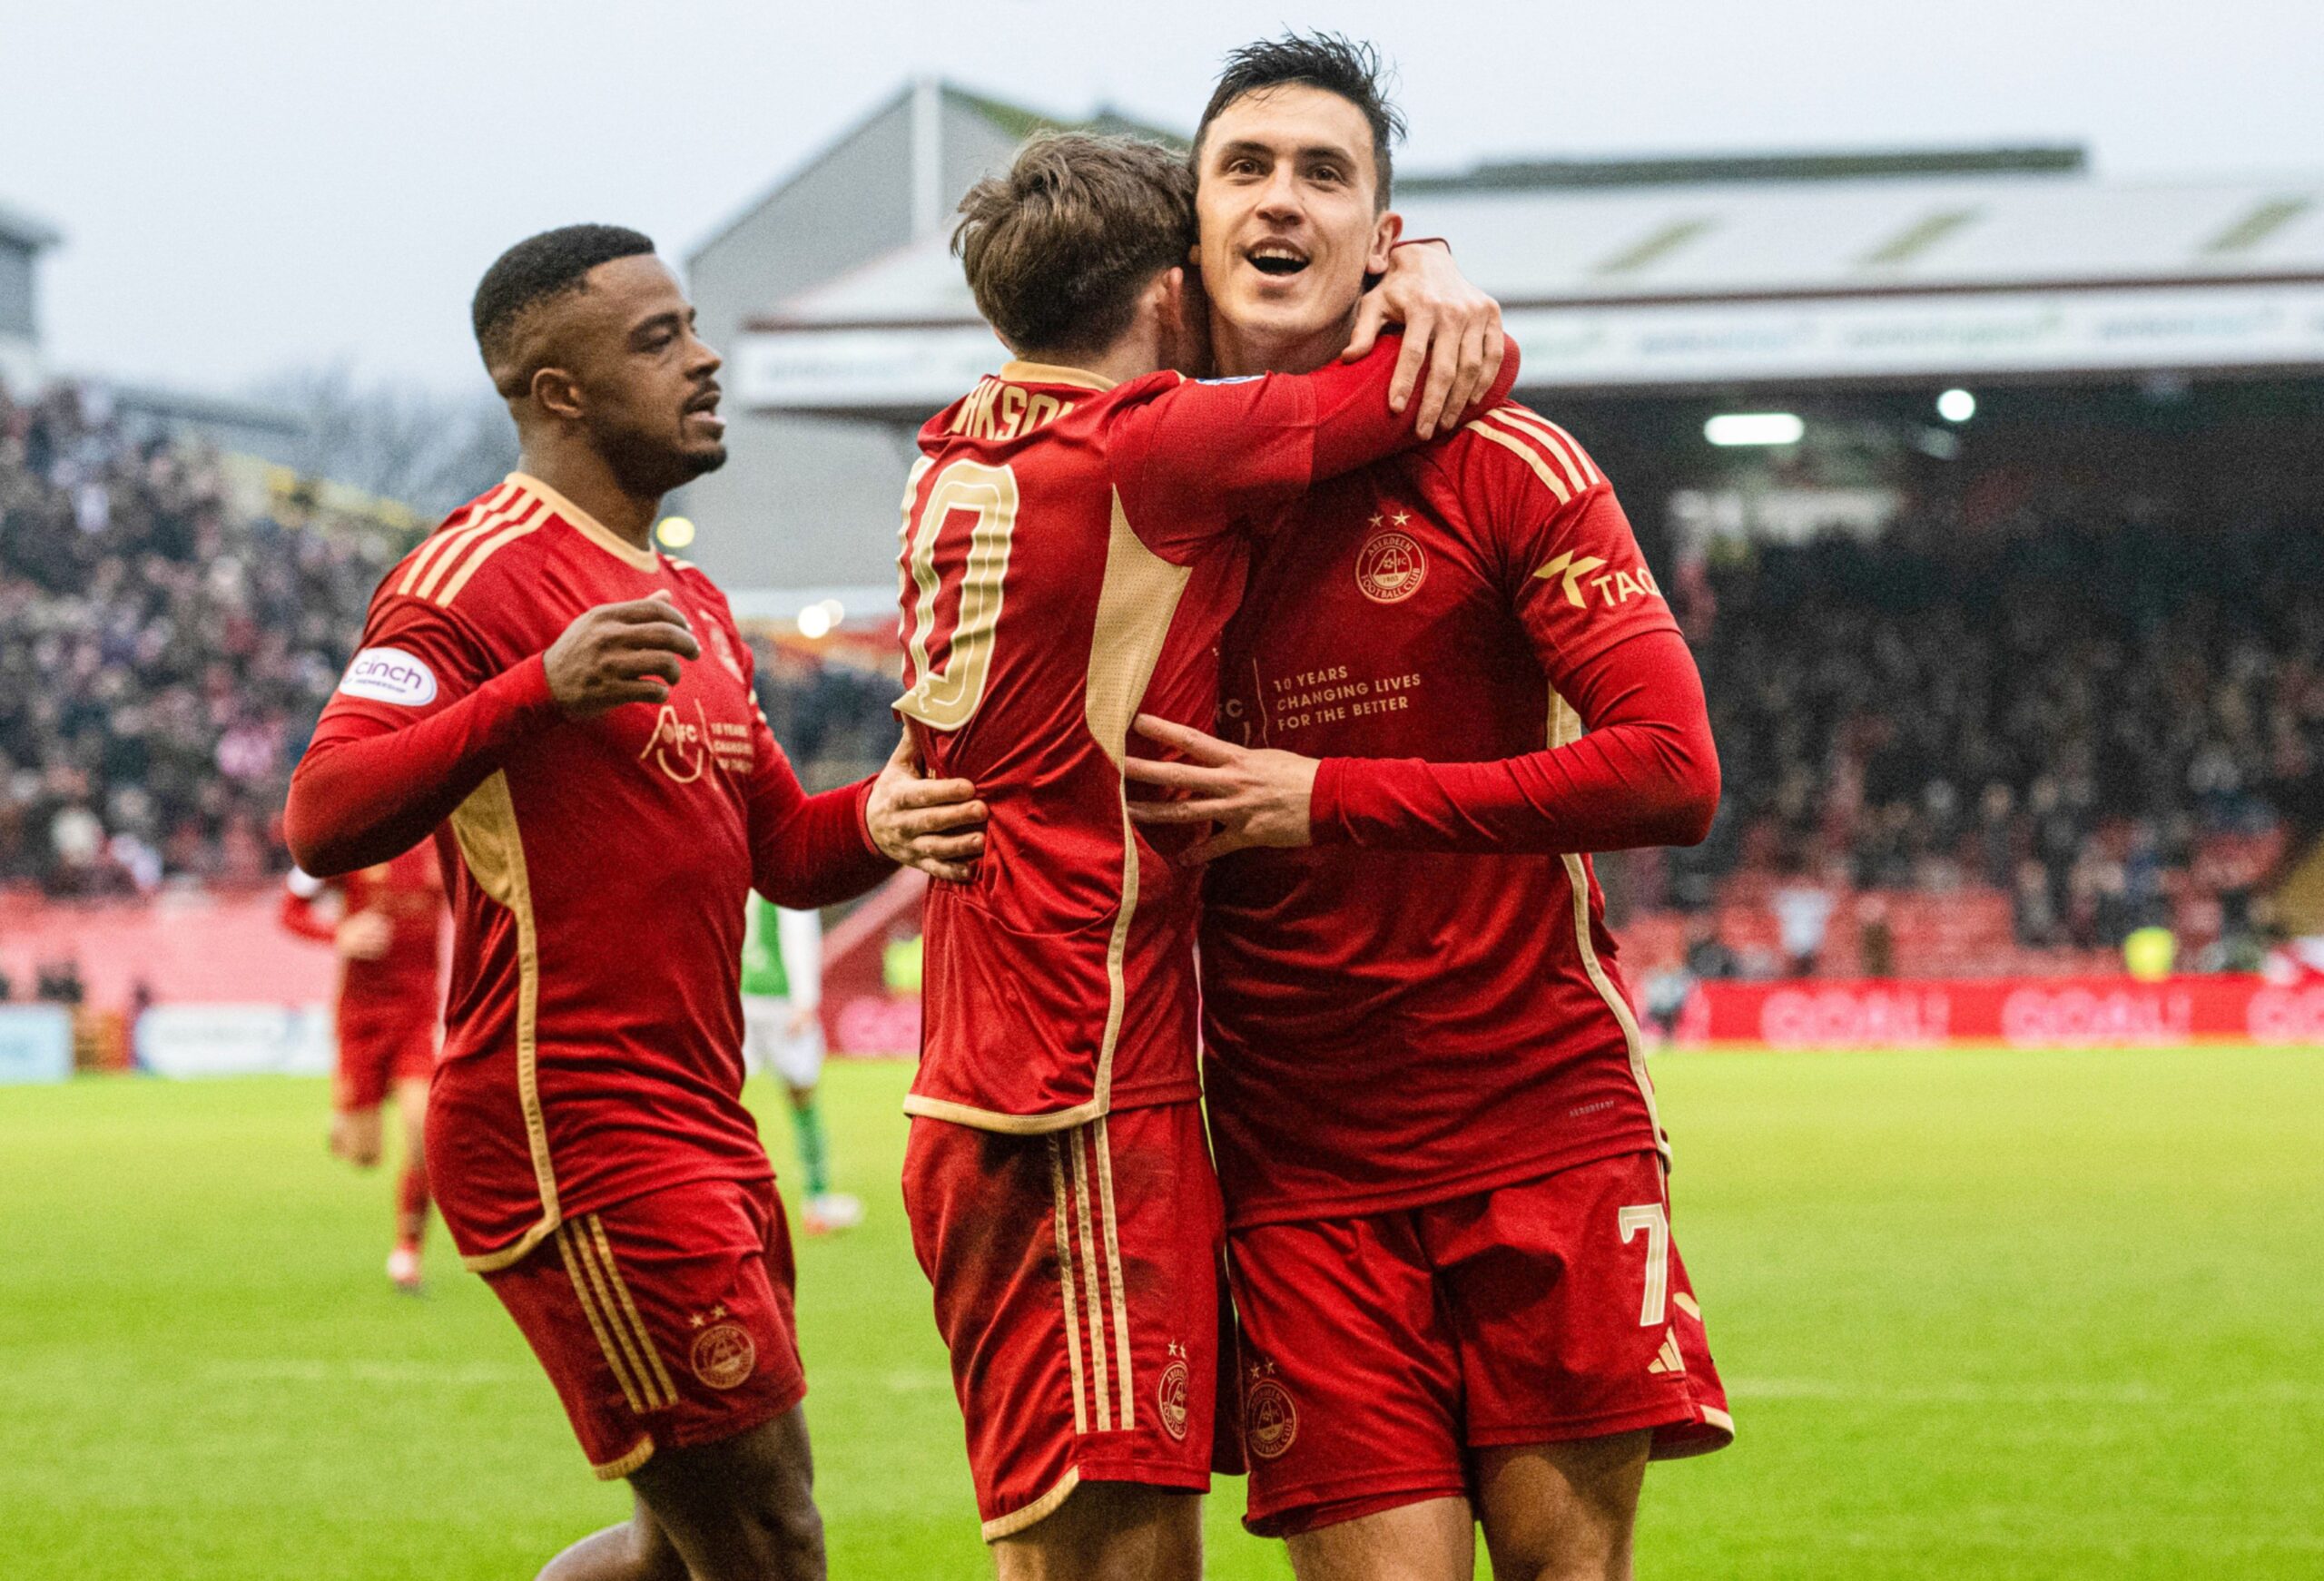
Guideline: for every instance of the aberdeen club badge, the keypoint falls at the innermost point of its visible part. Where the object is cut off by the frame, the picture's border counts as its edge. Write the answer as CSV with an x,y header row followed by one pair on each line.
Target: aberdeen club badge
x,y
1390,566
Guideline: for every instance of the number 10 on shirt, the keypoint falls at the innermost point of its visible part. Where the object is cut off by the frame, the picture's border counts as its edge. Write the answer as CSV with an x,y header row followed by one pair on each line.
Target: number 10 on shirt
x,y
949,666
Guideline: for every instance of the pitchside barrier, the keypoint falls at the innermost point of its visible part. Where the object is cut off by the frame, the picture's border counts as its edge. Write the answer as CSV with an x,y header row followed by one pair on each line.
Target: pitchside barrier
x,y
2108,1012
231,992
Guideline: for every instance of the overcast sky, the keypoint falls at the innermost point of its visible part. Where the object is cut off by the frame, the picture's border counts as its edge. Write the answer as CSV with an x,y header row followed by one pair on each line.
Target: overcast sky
x,y
250,184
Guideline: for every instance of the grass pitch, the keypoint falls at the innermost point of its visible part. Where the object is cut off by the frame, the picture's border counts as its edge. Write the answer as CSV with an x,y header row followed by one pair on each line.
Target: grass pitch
x,y
1981,1314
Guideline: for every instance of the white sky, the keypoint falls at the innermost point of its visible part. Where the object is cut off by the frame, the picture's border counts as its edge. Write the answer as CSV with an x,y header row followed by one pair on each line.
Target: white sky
x,y
250,184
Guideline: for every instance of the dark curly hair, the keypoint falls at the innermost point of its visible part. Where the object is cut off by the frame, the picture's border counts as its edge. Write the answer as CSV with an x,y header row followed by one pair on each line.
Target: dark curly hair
x,y
538,270
1330,60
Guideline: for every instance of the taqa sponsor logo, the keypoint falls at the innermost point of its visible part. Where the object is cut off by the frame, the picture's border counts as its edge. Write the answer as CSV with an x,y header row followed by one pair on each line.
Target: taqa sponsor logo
x,y
1604,588
389,675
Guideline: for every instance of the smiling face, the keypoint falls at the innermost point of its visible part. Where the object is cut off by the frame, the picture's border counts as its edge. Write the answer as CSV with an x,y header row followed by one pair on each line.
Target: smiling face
x,y
631,371
1290,225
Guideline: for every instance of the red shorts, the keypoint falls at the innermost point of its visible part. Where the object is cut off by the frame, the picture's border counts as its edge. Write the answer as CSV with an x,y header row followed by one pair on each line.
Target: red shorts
x,y
1379,1351
665,1320
1076,1278
379,1045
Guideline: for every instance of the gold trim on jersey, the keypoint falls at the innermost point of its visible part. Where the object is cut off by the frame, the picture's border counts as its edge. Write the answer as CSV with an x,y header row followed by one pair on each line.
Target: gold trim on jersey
x,y
1136,605
615,1470
1564,730
1575,459
1527,454
1054,373
485,825
1017,1520
588,526
1137,601
1000,1120
422,561
518,508
529,522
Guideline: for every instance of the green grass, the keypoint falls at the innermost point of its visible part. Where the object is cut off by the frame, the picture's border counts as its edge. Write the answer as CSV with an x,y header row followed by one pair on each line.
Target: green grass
x,y
1983,1315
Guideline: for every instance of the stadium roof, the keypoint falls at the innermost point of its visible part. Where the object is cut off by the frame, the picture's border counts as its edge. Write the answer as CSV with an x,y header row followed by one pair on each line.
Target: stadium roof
x,y
1682,272
22,229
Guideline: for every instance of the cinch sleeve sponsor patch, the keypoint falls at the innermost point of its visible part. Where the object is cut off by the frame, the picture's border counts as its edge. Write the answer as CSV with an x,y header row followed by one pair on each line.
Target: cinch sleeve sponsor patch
x,y
389,675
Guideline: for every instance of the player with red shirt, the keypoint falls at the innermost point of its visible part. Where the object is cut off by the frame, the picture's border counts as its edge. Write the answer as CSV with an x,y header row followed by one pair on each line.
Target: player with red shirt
x,y
387,926
1448,1225
571,713
1074,544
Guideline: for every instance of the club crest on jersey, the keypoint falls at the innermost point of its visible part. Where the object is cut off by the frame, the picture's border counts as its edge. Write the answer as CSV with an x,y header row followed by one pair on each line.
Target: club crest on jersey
x,y
1171,1393
724,1355
677,748
1270,1421
389,675
724,650
1390,566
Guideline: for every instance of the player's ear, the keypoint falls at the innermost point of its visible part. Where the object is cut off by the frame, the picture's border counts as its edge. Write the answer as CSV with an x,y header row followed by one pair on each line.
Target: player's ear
x,y
1385,230
555,392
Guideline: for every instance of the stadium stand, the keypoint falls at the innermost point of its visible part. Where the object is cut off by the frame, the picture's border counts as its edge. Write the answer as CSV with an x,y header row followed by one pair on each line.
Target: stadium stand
x,y
167,639
162,654
1979,745
1947,752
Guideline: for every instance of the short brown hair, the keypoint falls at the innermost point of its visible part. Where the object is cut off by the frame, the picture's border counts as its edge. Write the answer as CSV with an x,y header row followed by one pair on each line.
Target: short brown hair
x,y
1058,249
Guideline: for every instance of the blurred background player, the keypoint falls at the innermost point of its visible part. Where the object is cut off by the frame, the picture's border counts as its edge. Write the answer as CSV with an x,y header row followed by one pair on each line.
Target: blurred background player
x,y
782,1032
387,922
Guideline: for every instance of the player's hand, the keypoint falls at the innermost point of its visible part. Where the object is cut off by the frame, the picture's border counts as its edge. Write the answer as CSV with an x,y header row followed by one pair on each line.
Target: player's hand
x,y
1257,795
1448,322
801,1022
617,654
363,936
935,825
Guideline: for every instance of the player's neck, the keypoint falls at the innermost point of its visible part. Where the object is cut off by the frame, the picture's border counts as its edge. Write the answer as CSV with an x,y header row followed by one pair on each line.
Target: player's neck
x,y
577,472
1238,351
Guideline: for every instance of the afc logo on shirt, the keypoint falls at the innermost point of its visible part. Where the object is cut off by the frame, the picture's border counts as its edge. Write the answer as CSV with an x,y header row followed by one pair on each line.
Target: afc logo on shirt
x,y
682,748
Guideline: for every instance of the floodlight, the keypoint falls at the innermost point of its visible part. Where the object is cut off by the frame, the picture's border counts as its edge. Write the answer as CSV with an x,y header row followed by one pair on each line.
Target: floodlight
x,y
1731,428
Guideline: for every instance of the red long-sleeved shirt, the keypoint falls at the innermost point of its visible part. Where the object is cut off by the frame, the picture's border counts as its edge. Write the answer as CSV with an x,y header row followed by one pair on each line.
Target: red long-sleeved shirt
x,y
598,868
1645,773
1426,1002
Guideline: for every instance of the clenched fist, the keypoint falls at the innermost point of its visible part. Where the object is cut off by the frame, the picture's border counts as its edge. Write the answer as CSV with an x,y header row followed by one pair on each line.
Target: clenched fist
x,y
617,654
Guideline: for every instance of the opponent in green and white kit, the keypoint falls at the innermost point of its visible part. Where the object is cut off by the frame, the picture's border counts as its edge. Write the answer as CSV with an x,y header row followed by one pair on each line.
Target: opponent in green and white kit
x,y
782,1031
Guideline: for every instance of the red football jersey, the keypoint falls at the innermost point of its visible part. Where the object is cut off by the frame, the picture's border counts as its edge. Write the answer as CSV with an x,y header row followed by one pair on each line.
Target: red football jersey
x,y
1069,556
593,1037
408,891
1388,1028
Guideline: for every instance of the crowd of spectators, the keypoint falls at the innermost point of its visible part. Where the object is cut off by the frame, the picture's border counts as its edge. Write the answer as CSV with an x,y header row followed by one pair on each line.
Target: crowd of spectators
x,y
2106,719
162,655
